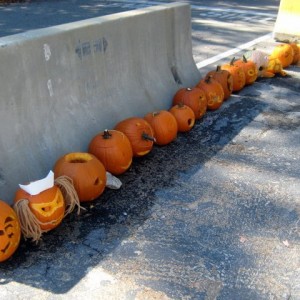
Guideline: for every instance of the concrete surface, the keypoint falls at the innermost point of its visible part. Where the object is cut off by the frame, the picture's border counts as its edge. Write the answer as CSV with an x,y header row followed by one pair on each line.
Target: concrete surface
x,y
213,215
62,85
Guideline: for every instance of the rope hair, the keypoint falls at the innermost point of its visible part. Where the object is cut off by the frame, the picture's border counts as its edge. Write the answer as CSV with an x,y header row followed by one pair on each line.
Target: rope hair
x,y
30,225
66,186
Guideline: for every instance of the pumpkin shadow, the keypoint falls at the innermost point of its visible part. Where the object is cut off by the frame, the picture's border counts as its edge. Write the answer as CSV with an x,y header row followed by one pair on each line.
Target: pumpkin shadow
x,y
64,256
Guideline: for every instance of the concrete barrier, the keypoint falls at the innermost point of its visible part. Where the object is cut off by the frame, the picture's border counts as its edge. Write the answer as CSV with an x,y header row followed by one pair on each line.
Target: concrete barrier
x,y
62,85
287,26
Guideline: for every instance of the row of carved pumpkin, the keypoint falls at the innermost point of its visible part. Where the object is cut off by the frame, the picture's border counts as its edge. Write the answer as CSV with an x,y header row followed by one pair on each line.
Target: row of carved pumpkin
x,y
81,177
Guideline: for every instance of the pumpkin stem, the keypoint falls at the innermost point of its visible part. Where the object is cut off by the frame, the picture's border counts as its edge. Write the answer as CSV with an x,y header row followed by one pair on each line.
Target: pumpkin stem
x,y
232,61
218,68
106,134
208,78
245,59
147,137
180,104
71,198
155,113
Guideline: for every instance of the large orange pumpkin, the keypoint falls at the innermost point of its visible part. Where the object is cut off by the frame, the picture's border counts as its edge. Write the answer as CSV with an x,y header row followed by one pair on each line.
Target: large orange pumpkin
x,y
250,69
225,79
194,98
213,91
113,149
164,126
285,53
184,116
86,171
238,75
139,133
10,232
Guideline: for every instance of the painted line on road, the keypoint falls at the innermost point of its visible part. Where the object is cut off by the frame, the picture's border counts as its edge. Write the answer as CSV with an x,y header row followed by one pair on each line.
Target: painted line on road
x,y
220,56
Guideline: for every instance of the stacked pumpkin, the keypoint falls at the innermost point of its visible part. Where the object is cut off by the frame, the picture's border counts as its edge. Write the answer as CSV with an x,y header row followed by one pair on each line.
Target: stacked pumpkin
x,y
81,177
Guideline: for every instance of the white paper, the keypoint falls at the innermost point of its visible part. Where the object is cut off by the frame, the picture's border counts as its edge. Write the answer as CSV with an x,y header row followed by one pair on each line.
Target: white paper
x,y
38,186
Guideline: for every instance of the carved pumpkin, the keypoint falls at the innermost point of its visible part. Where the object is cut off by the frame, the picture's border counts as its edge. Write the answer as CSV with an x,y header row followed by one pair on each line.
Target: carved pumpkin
x,y
213,91
113,149
296,50
194,98
46,210
275,66
249,68
285,53
139,133
184,116
239,78
86,171
164,126
225,79
10,232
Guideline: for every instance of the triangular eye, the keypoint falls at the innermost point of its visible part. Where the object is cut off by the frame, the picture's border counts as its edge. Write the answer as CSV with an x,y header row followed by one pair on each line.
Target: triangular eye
x,y
8,219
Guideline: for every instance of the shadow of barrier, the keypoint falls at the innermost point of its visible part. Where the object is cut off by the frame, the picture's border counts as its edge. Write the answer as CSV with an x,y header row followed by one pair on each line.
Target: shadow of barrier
x,y
62,85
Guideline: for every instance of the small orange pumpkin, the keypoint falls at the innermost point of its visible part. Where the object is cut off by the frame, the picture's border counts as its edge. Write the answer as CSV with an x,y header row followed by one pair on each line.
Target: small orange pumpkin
x,y
139,133
86,171
213,91
164,126
184,116
113,149
237,72
225,79
250,69
285,53
10,232
194,98
296,50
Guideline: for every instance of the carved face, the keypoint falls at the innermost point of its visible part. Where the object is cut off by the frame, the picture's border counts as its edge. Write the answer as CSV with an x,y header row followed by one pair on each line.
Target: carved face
x,y
10,232
48,206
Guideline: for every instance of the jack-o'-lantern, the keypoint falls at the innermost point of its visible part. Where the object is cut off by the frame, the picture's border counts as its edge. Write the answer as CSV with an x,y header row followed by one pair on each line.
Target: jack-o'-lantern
x,y
194,98
237,72
86,171
225,79
250,69
285,53
275,67
39,213
10,232
213,91
184,116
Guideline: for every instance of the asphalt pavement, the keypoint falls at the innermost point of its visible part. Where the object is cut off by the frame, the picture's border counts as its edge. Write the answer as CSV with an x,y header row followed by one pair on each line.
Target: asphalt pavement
x,y
213,215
